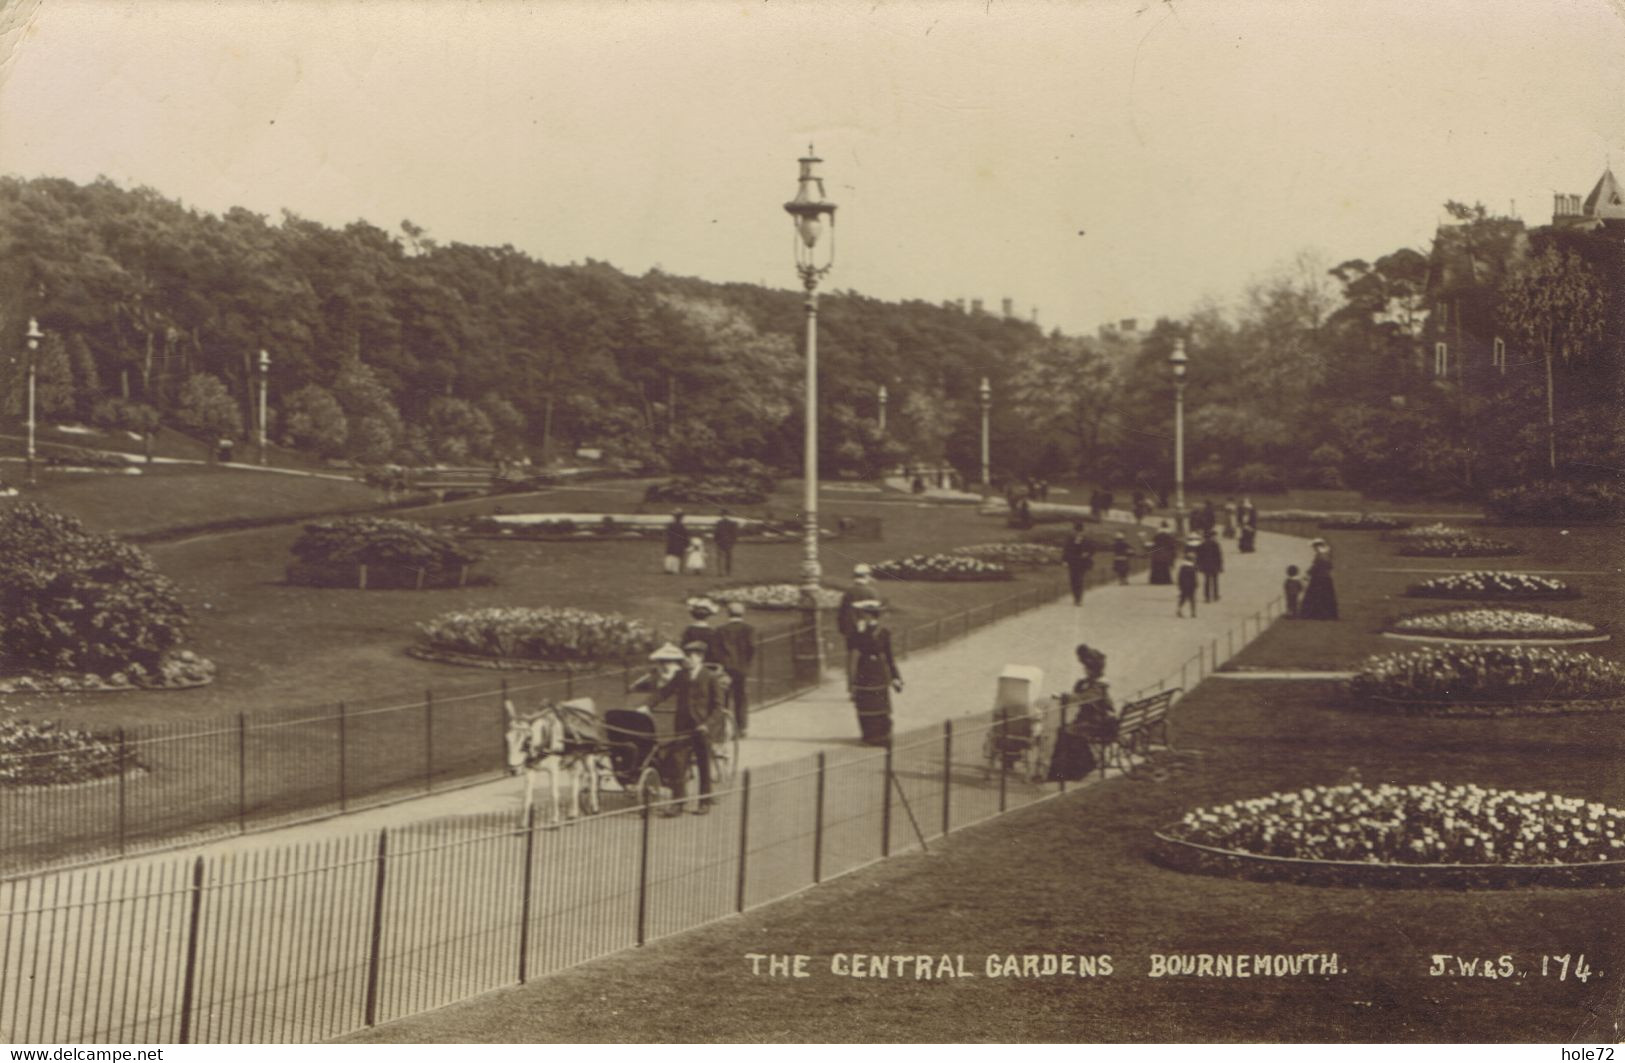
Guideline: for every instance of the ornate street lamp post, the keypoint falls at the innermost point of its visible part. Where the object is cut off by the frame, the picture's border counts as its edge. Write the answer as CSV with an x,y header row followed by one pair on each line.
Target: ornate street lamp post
x,y
265,380
882,422
1176,362
34,336
986,395
810,212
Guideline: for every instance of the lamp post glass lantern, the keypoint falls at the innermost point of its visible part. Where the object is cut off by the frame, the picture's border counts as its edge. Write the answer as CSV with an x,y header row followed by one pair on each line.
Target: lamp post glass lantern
x,y
810,214
265,379
1177,362
34,337
881,396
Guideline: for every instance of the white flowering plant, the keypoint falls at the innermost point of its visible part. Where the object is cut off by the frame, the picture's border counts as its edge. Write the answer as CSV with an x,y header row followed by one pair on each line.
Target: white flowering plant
x,y
1364,522
1036,553
1480,674
47,754
773,596
1492,584
1416,824
945,567
1462,545
1492,623
539,634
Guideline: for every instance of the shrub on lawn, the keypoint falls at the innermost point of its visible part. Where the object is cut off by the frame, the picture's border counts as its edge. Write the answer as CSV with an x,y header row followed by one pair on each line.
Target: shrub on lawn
x,y
1492,584
75,601
742,482
1484,674
381,541
945,567
1364,522
1415,824
1457,546
1436,530
1558,501
569,636
46,754
1492,624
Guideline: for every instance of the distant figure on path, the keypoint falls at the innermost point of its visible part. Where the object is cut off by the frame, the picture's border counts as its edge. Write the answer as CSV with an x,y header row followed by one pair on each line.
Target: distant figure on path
x,y
1293,589
734,648
1121,552
1229,518
862,590
695,562
1320,597
872,675
1079,557
1164,552
1187,578
1210,562
1142,508
726,535
676,543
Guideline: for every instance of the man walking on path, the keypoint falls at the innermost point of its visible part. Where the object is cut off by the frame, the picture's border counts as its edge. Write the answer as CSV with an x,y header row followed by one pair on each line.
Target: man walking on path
x,y
1079,556
863,589
727,534
1210,562
1187,580
734,647
676,543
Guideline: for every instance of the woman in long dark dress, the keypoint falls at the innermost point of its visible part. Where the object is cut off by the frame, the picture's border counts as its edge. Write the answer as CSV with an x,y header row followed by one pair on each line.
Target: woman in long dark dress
x,y
1164,552
1320,597
872,675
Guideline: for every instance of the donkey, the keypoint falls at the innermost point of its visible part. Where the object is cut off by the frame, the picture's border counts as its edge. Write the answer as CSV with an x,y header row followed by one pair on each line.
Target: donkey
x,y
564,739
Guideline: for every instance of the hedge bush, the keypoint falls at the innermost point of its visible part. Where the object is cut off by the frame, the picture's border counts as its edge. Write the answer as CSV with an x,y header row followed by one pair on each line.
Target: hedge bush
x,y
381,541
1558,501
75,601
742,482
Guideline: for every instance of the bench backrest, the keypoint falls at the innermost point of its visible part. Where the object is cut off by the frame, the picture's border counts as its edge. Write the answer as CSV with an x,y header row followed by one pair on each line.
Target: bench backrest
x,y
1146,711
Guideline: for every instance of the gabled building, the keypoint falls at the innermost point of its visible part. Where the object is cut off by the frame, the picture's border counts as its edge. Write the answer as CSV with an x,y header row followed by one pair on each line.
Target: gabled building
x,y
1603,211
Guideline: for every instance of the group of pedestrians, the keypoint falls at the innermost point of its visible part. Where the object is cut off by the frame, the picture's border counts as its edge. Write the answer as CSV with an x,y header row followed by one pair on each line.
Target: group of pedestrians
x,y
685,546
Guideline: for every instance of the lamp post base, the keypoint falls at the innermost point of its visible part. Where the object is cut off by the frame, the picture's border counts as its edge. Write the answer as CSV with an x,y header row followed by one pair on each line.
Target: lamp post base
x,y
807,648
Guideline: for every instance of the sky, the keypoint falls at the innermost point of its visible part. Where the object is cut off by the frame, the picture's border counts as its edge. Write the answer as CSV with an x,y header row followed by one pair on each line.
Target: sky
x,y
1094,160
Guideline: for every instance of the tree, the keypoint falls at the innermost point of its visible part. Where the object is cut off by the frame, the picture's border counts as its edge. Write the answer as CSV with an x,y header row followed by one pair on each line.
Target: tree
x,y
205,405
1554,302
313,418
1068,388
458,430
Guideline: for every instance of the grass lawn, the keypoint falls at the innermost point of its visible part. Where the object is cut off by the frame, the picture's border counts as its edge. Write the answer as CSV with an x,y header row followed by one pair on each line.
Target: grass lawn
x,y
1071,876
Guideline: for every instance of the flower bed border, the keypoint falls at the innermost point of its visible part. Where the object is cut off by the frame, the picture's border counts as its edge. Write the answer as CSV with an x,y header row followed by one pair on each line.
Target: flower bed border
x,y
1482,709
1383,524
1507,550
1003,577
105,688
1497,640
342,576
1192,857
1495,596
719,594
507,664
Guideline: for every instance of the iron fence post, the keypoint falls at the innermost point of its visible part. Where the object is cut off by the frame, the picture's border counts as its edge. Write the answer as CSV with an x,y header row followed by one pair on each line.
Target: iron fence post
x,y
947,772
123,797
189,981
1004,775
885,806
428,740
643,878
344,788
529,850
744,838
242,773
376,943
818,825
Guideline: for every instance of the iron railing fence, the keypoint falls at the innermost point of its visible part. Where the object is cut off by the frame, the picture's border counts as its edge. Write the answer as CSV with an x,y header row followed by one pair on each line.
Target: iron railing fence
x,y
174,784
305,942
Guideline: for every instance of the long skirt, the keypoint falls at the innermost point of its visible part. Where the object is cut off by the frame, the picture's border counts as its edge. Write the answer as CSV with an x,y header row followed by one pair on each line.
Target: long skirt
x,y
1162,571
1247,536
1319,600
874,713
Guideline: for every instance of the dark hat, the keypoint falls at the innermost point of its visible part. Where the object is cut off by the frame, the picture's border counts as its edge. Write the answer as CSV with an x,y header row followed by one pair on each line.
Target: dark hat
x,y
1091,658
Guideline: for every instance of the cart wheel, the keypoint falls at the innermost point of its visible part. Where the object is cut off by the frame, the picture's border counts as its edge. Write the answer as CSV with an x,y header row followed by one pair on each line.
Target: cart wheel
x,y
725,755
650,791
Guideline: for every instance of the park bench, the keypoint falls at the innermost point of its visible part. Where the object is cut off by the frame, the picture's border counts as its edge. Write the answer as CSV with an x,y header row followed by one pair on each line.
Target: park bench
x,y
1139,723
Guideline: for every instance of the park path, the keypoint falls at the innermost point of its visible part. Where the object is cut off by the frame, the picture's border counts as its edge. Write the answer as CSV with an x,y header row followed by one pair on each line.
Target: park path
x,y
1134,625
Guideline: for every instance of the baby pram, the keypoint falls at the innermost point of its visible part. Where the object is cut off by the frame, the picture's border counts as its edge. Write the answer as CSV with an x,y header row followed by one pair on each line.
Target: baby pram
x,y
1015,741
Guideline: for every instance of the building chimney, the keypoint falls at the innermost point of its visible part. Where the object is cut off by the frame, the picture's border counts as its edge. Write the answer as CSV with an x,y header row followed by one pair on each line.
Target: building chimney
x,y
1009,307
976,306
1035,315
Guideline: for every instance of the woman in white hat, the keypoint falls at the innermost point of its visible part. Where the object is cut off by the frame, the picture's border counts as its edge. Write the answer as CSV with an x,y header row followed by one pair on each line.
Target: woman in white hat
x,y
871,674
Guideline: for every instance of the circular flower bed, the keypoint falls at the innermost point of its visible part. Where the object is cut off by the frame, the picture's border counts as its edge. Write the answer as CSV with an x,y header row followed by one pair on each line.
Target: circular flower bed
x,y
1489,680
1364,522
773,596
1457,546
46,754
1489,623
177,671
1466,829
1436,530
947,567
1487,584
1013,553
535,638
